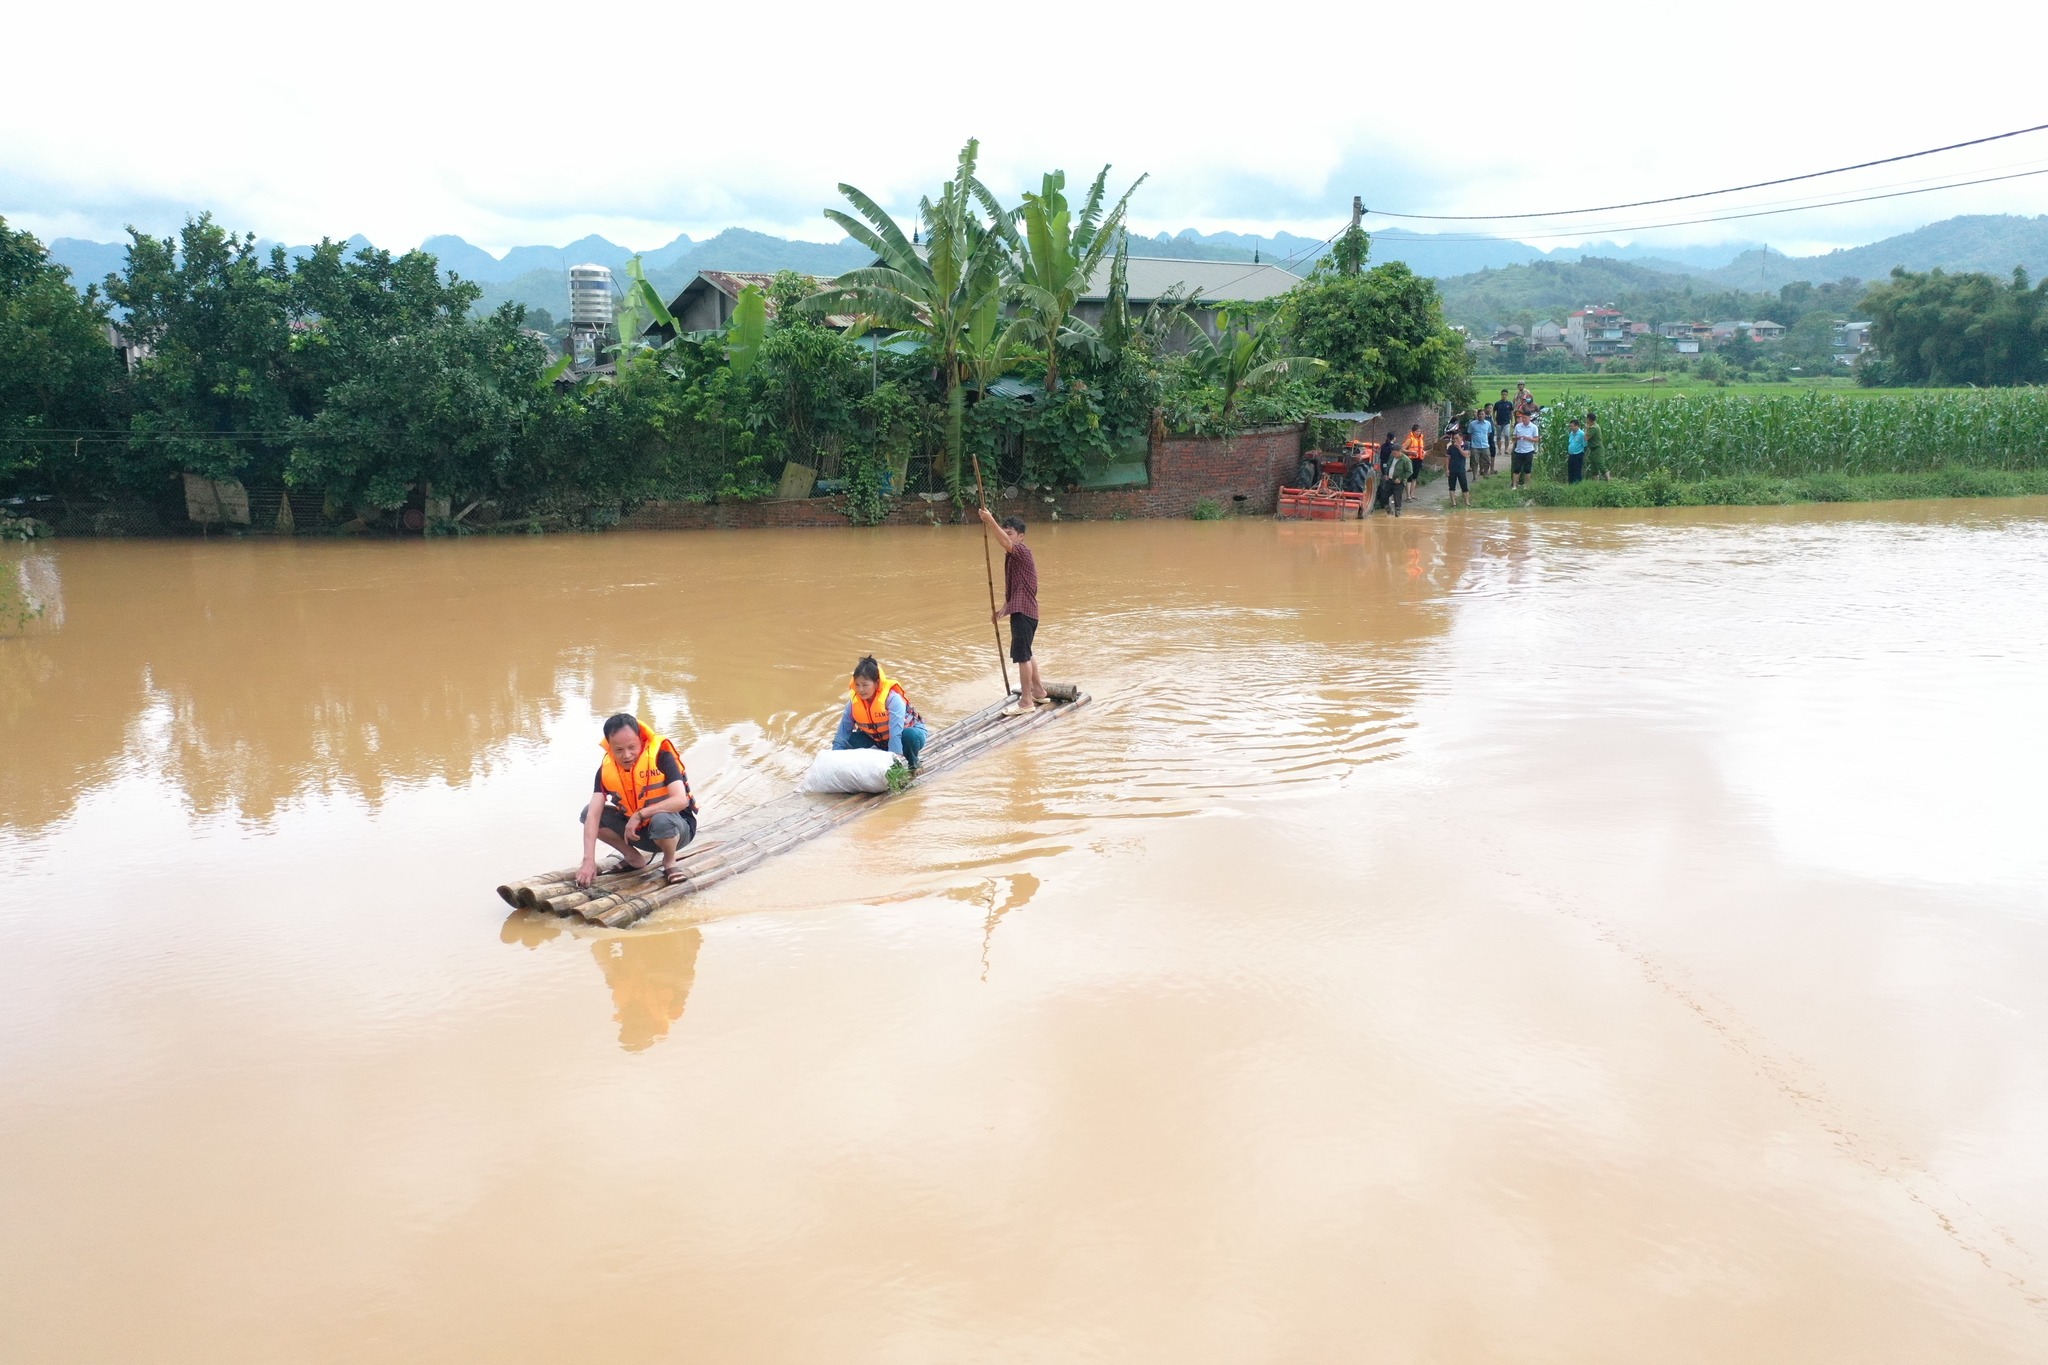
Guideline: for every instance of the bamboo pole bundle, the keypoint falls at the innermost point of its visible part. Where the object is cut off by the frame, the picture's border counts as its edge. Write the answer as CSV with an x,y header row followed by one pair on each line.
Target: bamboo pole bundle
x,y
618,899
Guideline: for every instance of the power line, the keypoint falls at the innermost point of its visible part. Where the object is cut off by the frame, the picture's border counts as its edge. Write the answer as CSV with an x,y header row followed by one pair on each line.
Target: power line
x,y
1280,264
1734,217
1707,194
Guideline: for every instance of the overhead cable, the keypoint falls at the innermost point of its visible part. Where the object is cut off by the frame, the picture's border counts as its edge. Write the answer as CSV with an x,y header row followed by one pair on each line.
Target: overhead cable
x,y
1707,194
1733,217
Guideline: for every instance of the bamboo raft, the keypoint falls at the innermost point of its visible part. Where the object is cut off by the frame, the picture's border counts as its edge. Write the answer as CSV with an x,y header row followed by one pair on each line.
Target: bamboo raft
x,y
758,833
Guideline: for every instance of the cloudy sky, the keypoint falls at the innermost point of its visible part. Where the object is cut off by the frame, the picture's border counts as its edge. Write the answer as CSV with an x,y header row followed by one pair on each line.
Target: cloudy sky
x,y
522,122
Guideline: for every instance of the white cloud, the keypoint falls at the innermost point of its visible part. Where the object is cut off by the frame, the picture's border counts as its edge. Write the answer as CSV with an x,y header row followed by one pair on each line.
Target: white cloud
x,y
525,122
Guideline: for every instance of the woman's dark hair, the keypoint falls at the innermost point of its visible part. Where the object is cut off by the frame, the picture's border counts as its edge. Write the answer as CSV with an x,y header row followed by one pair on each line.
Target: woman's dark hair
x,y
1014,524
869,669
622,721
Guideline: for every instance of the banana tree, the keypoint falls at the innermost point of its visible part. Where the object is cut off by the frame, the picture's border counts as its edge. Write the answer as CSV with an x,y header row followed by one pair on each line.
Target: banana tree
x,y
988,350
1057,254
640,309
932,291
1240,358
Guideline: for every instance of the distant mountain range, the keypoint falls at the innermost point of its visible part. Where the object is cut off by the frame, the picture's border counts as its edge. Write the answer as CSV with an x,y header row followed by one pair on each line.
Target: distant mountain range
x,y
536,275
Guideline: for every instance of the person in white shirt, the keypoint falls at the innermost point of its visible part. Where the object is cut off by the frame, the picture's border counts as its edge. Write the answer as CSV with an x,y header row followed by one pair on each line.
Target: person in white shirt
x,y
1527,438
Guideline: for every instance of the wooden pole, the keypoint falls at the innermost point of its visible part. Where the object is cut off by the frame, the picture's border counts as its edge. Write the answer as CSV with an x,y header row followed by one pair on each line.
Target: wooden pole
x,y
981,495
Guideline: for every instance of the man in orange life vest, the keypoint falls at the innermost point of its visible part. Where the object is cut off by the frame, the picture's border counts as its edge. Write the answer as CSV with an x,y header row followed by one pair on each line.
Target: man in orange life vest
x,y
640,803
879,715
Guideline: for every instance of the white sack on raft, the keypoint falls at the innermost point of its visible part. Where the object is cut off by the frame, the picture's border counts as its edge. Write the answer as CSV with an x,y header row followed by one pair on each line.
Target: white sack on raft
x,y
850,770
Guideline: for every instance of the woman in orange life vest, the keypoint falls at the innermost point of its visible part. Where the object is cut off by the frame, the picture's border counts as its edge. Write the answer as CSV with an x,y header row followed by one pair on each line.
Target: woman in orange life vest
x,y
640,803
879,716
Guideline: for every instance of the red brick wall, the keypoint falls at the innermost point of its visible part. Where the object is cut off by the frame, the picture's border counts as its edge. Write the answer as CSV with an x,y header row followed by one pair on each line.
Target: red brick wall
x,y
1184,469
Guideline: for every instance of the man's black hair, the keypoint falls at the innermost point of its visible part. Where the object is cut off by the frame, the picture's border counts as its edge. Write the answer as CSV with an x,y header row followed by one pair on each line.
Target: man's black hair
x,y
1014,524
868,668
622,721
1590,417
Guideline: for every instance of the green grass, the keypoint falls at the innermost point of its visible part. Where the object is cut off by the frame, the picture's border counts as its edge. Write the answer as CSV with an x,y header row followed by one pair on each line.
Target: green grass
x,y
1762,490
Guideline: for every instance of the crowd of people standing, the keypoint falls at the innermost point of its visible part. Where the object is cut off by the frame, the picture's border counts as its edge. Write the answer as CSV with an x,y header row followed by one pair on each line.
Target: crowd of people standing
x,y
1512,427
1474,443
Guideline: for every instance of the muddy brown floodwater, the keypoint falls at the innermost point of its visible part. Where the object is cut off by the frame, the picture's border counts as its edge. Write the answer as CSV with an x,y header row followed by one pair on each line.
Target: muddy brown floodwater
x,y
1593,939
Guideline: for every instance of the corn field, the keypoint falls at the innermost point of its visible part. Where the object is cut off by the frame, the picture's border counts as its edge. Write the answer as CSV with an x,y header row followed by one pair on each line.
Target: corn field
x,y
1694,437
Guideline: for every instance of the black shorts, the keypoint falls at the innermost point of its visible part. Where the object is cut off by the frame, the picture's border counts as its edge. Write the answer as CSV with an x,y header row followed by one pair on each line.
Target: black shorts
x,y
1022,629
1523,463
1458,479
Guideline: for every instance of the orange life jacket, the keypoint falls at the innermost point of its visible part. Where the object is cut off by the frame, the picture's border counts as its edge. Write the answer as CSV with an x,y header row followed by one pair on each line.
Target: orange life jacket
x,y
644,785
1417,446
871,718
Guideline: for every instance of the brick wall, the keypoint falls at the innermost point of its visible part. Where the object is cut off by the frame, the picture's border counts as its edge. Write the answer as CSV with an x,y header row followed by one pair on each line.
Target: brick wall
x,y
1242,475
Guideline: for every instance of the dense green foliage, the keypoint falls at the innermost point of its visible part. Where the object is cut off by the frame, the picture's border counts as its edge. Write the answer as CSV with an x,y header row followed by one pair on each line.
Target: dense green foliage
x,y
59,379
1380,332
1722,436
1937,329
371,380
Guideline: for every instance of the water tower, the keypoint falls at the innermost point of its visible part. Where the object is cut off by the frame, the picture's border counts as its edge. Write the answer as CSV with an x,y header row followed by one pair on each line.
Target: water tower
x,y
591,308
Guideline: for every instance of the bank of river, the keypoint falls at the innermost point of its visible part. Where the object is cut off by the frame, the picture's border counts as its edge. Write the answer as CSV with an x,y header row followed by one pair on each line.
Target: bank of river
x,y
1468,939
1761,490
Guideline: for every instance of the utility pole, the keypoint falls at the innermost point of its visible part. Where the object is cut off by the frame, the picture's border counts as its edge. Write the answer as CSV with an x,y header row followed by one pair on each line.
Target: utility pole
x,y
1351,262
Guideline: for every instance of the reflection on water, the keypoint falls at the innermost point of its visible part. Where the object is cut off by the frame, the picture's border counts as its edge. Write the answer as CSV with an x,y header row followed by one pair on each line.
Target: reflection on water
x,y
648,972
252,675
649,975
1481,938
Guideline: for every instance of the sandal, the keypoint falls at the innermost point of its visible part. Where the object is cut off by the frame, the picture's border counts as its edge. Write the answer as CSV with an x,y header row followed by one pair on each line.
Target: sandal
x,y
619,865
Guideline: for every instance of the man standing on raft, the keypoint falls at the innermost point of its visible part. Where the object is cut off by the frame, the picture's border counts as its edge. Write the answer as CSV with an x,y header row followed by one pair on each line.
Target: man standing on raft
x,y
640,804
1020,604
878,715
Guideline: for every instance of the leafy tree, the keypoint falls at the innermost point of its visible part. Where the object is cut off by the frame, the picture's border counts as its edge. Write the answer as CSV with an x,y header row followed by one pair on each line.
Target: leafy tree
x,y
1382,333
215,394
59,379
345,310
443,405
1937,328
813,377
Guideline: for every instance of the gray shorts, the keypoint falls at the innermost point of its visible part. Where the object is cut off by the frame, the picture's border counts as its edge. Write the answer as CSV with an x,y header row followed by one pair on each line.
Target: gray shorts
x,y
661,825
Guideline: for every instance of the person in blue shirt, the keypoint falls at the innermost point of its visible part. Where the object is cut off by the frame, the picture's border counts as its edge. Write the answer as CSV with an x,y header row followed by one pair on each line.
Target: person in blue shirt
x,y
1575,453
879,715
1479,442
